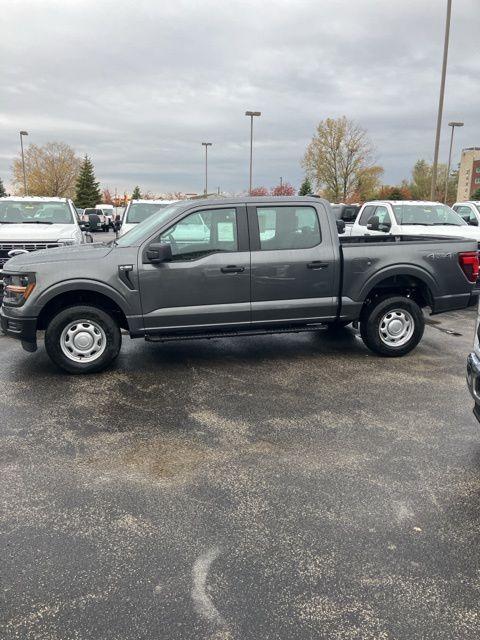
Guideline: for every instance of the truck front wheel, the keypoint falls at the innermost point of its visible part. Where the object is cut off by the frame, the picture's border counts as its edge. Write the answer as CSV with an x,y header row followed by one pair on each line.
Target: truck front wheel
x,y
82,339
392,326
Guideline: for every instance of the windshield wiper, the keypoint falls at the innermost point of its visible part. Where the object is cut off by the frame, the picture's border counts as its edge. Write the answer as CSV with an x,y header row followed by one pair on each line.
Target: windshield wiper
x,y
7,222
447,224
36,222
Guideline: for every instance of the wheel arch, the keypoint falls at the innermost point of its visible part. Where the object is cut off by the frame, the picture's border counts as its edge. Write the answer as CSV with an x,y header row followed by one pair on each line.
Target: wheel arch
x,y
80,293
409,281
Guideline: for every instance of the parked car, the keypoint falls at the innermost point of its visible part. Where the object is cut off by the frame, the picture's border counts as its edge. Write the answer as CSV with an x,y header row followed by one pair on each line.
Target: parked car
x,y
31,223
158,283
408,217
96,220
473,369
347,213
108,211
139,210
469,211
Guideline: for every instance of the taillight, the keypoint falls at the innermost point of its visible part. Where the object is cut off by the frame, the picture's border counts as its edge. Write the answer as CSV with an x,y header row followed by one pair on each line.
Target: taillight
x,y
470,264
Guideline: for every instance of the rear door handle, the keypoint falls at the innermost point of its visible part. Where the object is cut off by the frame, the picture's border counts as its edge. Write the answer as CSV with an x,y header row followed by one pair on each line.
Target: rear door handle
x,y
316,264
232,269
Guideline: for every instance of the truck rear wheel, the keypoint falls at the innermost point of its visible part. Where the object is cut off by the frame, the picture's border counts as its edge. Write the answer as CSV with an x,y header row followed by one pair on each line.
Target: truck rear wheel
x,y
82,339
392,326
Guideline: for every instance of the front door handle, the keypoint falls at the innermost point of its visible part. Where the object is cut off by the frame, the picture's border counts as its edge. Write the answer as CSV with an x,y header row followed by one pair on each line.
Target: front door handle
x,y
232,269
316,264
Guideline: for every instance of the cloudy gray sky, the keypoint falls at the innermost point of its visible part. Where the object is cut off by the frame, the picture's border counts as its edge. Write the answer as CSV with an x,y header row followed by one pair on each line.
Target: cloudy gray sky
x,y
139,85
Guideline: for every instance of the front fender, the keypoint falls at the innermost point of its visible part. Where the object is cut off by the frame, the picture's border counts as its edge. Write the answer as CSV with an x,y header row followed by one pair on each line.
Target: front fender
x,y
84,284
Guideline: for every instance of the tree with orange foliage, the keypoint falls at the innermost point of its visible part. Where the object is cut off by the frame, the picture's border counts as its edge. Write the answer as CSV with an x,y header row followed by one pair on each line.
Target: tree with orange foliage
x,y
259,191
107,197
284,189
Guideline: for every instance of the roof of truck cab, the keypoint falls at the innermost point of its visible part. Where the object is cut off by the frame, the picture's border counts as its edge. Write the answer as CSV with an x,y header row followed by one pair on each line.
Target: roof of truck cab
x,y
251,200
35,198
397,202
153,201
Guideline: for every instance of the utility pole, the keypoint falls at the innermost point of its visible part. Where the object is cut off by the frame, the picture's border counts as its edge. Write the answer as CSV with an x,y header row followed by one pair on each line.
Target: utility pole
x,y
24,133
206,145
252,115
453,125
440,101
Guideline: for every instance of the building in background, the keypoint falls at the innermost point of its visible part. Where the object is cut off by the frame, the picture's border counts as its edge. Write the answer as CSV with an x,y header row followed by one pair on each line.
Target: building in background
x,y
469,175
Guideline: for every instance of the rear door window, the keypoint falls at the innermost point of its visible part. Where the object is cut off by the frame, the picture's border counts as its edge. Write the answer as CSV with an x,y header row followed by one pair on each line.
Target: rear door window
x,y
288,228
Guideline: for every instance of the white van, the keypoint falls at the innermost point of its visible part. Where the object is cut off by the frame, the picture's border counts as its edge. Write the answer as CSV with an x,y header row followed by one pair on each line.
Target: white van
x,y
139,210
411,217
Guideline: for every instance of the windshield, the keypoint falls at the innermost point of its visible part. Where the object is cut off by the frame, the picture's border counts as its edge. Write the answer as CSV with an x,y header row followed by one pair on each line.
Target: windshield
x,y
427,214
19,212
140,211
143,229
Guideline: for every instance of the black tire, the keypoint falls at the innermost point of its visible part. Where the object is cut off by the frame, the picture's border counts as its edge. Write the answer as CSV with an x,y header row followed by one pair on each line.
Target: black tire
x,y
375,319
101,321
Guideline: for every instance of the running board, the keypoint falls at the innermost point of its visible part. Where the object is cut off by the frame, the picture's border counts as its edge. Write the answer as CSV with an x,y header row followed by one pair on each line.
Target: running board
x,y
233,334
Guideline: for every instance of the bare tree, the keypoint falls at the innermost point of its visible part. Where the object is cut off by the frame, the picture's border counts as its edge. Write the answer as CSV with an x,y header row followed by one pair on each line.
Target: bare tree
x,y
51,170
337,157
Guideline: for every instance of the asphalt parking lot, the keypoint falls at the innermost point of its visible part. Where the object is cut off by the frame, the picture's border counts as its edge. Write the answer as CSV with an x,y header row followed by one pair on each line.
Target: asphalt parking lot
x,y
291,486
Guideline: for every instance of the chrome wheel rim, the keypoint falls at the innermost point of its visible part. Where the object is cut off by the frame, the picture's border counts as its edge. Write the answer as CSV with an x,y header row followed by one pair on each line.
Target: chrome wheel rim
x,y
83,341
396,328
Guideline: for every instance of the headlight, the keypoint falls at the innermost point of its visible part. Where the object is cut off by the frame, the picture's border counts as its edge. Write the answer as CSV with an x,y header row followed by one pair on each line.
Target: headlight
x,y
17,288
66,243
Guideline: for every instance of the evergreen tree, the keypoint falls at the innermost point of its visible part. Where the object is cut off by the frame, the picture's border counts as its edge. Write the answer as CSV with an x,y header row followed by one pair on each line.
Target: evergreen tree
x,y
136,195
3,193
87,188
476,195
306,188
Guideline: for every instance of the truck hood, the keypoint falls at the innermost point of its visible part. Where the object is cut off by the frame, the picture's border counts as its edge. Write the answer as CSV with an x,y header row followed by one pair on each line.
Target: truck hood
x,y
467,231
26,261
36,232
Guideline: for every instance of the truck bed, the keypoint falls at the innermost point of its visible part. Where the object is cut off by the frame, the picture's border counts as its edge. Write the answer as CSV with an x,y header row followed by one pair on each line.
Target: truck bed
x,y
428,264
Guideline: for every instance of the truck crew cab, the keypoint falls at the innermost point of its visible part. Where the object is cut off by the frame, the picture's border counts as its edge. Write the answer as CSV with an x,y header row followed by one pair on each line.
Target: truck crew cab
x,y
244,266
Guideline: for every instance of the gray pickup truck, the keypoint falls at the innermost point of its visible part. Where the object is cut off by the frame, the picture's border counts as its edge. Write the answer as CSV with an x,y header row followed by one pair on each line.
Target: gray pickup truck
x,y
215,268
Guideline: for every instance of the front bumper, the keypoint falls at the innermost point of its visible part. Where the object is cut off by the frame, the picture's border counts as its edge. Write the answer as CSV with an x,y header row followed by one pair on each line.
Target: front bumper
x,y
23,329
473,381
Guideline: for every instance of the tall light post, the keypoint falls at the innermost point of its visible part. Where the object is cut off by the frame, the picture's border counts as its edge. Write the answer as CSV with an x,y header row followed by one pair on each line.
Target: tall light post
x,y
23,133
440,101
453,125
206,145
252,114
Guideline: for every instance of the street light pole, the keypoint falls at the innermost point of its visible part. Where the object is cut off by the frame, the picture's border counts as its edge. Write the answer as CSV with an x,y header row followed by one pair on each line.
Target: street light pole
x,y
252,115
206,145
440,101
453,125
23,133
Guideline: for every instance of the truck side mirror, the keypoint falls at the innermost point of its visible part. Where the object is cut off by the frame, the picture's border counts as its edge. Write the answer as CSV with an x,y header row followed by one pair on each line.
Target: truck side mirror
x,y
373,223
158,252
340,226
473,222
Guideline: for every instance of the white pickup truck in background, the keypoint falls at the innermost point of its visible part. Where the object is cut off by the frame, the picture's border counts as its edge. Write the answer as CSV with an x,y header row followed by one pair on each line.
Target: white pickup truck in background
x,y
139,210
469,211
411,217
